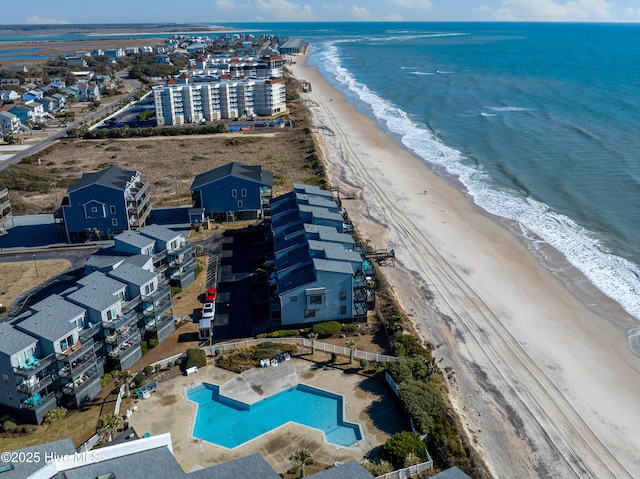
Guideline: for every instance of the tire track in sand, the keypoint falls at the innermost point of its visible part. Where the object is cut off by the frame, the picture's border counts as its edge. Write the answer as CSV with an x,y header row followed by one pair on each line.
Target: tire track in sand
x,y
564,443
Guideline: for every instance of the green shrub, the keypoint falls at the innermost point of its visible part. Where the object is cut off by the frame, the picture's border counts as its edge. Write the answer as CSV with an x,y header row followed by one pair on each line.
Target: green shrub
x,y
157,367
147,370
153,343
144,346
196,357
326,329
401,444
333,359
178,362
364,363
138,379
3,309
170,364
55,415
282,333
106,378
9,426
349,328
175,290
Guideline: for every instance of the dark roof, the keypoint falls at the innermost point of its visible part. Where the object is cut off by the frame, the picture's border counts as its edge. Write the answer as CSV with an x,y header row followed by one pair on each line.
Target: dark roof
x,y
113,177
251,173
253,466
350,470
156,463
41,453
451,473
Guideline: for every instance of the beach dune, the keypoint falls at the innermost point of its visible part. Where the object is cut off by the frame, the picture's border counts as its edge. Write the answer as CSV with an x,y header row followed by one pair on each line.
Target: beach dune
x,y
544,386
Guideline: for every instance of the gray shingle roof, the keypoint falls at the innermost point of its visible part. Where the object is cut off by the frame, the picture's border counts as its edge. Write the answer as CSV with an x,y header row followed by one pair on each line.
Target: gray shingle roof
x,y
254,467
156,463
113,177
13,341
251,173
97,291
318,212
452,473
100,261
134,239
350,470
140,260
128,273
311,190
44,451
335,251
159,232
47,325
59,305
332,266
328,233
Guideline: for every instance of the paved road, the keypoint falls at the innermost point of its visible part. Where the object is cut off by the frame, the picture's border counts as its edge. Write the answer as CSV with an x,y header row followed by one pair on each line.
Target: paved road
x,y
132,86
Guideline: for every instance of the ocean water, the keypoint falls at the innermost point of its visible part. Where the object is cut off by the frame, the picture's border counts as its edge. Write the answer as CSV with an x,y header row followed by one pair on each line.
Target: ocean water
x,y
540,123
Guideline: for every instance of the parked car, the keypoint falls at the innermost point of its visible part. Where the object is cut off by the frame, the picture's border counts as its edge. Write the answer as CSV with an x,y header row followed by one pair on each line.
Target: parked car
x,y
208,310
211,295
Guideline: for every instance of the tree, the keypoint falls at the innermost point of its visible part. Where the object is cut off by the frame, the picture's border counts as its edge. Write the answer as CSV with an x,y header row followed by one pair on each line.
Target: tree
x,y
351,344
108,425
300,459
313,337
403,444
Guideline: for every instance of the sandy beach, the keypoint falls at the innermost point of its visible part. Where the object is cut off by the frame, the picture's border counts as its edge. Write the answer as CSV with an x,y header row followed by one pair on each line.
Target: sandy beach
x,y
545,386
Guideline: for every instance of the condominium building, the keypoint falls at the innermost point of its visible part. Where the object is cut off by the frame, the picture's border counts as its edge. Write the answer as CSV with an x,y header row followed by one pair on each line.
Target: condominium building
x,y
55,353
190,99
5,209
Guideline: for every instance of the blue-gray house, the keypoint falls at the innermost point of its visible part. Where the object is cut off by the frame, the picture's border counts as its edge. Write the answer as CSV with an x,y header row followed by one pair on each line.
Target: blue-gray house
x,y
103,204
233,191
317,272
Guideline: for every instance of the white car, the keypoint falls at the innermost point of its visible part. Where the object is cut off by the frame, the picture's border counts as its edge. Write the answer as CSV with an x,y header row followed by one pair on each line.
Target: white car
x,y
208,310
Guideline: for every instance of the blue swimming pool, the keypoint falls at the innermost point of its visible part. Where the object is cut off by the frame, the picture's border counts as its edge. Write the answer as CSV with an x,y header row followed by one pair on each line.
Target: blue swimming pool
x,y
230,423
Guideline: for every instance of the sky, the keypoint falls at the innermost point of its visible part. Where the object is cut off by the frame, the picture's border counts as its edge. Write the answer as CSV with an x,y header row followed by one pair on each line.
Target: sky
x,y
241,11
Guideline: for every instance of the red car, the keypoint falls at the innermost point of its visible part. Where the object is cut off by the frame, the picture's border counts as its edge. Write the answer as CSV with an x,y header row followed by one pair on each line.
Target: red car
x,y
211,295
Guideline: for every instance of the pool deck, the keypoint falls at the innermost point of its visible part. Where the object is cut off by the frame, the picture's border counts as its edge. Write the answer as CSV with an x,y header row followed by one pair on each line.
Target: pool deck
x,y
368,402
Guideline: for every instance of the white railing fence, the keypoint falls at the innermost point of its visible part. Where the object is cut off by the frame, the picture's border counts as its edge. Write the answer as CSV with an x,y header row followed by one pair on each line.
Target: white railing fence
x,y
408,471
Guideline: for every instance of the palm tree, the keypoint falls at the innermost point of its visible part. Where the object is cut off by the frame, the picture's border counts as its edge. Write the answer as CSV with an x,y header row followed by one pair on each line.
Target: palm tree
x,y
352,346
108,425
300,459
313,337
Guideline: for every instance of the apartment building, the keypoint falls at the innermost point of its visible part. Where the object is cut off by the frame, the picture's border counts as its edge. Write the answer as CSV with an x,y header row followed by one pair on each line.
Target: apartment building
x,y
317,271
5,209
55,353
192,99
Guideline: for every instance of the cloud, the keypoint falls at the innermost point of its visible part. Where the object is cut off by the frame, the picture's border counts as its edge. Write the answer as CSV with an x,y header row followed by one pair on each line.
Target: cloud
x,y
553,10
422,4
35,20
286,11
362,14
333,7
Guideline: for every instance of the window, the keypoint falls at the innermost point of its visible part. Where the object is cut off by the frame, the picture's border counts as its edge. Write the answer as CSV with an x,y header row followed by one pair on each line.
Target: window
x,y
343,310
294,298
67,343
149,288
234,193
94,209
114,222
239,203
343,295
315,299
5,378
10,396
243,192
112,209
309,313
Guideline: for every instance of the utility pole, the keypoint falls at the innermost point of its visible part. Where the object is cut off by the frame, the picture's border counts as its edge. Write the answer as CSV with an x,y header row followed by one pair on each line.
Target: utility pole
x,y
36,264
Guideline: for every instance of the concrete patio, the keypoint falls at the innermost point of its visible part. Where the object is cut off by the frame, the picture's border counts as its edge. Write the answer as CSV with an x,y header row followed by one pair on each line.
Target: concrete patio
x,y
368,402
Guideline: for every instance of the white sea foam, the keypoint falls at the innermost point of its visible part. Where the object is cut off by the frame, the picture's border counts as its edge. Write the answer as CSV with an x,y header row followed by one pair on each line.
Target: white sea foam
x,y
421,73
507,108
488,114
617,277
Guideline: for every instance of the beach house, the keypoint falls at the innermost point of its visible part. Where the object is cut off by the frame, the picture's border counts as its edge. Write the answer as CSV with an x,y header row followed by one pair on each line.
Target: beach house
x,y
9,123
103,204
233,191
